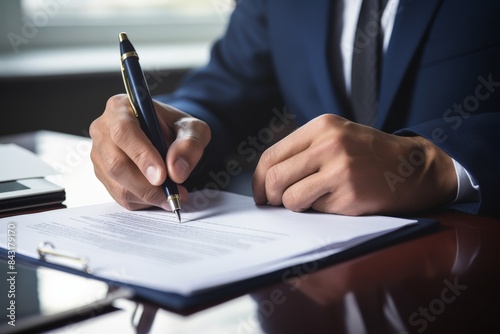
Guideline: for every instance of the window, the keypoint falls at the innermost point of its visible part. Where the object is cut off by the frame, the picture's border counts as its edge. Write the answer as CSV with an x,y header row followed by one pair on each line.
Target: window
x,y
31,24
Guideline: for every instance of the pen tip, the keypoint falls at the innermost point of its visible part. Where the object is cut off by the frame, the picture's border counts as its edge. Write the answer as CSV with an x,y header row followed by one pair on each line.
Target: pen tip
x,y
178,213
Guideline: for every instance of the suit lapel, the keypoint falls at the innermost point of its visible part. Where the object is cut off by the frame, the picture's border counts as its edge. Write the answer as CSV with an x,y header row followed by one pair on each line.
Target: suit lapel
x,y
411,22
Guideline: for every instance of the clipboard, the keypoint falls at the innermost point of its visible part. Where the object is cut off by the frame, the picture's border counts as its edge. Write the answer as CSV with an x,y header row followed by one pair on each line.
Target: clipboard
x,y
49,256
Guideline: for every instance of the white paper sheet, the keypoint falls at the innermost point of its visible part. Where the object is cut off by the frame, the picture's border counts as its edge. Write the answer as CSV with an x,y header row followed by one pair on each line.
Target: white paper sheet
x,y
221,240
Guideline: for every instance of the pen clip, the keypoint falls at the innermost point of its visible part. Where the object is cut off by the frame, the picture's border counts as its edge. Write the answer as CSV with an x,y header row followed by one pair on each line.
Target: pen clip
x,y
126,83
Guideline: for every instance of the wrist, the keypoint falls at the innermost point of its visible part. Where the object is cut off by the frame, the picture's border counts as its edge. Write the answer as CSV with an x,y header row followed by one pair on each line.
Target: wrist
x,y
437,182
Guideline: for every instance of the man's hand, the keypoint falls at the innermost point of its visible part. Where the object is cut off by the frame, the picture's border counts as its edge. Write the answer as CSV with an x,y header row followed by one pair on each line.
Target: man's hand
x,y
128,164
336,166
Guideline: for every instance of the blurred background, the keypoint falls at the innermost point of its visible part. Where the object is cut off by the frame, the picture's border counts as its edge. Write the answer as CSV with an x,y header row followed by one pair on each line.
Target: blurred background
x,y
59,59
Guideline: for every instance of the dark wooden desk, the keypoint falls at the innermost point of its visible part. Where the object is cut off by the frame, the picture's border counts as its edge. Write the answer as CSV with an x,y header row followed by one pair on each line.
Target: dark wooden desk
x,y
444,282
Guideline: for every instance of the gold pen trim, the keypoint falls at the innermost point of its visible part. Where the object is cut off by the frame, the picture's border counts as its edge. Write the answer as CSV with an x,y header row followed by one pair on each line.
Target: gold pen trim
x,y
122,36
129,92
173,197
129,54
174,201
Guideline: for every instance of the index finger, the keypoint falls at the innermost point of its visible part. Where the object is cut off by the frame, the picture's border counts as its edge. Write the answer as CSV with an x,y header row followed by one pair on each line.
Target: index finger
x,y
286,148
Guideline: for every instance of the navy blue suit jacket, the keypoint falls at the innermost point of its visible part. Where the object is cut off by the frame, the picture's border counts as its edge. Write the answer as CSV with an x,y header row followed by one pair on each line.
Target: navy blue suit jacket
x,y
440,78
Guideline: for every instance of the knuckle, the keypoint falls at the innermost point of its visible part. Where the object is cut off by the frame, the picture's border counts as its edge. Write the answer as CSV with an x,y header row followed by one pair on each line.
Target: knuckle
x,y
326,121
94,131
198,124
274,178
274,186
150,195
269,157
115,166
334,126
120,132
116,100
141,157
291,202
194,129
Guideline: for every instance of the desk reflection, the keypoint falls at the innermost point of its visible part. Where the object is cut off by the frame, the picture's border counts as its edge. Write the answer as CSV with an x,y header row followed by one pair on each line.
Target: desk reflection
x,y
446,282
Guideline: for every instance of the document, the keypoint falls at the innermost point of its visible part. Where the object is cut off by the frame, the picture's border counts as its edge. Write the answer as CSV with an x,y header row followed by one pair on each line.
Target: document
x,y
224,238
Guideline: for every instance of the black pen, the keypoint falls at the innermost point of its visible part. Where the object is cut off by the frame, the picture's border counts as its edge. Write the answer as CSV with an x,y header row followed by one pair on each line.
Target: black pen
x,y
142,105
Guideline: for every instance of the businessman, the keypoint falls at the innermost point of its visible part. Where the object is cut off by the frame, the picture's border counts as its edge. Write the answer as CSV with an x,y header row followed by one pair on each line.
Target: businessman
x,y
397,106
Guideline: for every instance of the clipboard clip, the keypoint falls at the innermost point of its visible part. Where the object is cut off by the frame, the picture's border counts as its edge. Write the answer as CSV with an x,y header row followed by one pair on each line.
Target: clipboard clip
x,y
48,248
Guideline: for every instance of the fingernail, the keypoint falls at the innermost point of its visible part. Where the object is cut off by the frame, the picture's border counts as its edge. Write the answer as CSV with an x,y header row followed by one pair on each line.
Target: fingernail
x,y
153,174
181,168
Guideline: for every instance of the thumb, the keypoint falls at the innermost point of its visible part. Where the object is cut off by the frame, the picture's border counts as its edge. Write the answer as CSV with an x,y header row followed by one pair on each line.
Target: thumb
x,y
192,137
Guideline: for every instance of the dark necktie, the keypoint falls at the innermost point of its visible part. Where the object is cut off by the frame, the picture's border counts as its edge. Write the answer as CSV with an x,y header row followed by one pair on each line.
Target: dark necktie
x,y
367,53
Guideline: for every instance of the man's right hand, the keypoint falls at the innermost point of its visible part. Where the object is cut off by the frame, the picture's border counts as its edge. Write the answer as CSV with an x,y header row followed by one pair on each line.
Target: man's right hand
x,y
127,163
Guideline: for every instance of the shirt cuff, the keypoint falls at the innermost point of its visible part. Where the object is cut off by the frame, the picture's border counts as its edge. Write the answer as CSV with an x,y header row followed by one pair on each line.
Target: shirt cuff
x,y
468,188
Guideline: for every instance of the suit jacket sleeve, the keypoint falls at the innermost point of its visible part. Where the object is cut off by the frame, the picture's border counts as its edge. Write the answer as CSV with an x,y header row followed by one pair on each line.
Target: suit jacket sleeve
x,y
474,143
